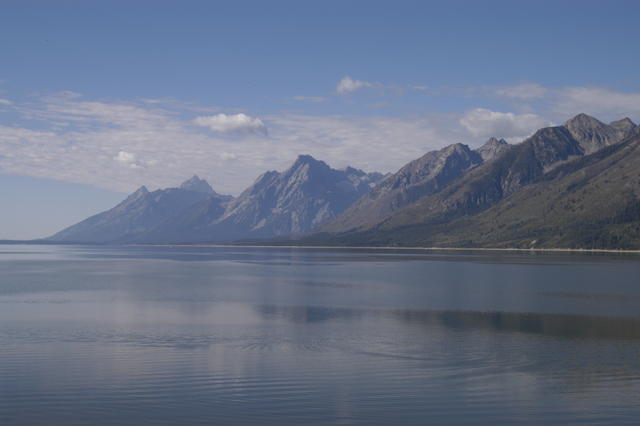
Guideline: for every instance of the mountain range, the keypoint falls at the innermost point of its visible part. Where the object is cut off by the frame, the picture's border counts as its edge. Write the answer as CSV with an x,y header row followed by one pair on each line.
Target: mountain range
x,y
575,186
278,204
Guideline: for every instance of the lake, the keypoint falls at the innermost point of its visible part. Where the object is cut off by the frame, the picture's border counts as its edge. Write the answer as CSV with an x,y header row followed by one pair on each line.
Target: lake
x,y
272,336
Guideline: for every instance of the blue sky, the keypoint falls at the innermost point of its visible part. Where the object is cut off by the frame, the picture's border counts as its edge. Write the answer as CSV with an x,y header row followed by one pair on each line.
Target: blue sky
x,y
97,98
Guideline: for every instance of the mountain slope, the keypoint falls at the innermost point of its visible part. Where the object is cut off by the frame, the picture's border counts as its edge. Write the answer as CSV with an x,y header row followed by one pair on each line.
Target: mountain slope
x,y
139,213
490,182
543,189
419,178
593,202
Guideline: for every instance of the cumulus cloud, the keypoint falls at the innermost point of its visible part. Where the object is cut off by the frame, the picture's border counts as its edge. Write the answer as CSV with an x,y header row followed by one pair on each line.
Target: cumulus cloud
x,y
348,85
523,91
226,123
485,123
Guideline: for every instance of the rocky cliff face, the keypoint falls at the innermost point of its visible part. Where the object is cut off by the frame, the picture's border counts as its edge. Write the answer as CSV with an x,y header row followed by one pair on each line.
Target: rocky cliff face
x,y
494,180
294,201
492,148
590,203
593,135
419,178
200,185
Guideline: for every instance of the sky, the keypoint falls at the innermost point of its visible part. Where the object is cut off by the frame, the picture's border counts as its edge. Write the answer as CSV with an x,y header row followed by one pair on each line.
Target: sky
x,y
98,98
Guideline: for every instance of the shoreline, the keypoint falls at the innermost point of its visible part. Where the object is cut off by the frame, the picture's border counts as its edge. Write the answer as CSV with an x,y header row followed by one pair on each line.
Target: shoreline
x,y
319,247
507,249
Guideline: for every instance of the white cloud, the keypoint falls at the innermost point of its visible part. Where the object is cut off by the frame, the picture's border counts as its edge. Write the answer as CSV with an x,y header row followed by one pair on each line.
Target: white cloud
x,y
121,145
5,102
372,143
314,99
228,156
523,91
128,159
224,123
565,102
348,85
485,123
602,103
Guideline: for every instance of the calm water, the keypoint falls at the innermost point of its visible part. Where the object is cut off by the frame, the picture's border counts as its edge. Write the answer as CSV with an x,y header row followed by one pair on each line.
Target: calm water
x,y
169,335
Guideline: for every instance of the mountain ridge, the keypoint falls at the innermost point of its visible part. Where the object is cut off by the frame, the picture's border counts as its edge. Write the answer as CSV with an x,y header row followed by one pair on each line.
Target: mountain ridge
x,y
418,178
542,157
278,203
135,215
287,203
454,195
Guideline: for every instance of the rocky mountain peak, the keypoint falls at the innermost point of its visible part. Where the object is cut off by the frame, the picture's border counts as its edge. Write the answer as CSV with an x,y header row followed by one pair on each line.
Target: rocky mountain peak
x,y
583,120
491,148
138,214
416,179
198,185
456,147
353,171
138,193
304,159
625,125
591,134
294,201
495,142
304,168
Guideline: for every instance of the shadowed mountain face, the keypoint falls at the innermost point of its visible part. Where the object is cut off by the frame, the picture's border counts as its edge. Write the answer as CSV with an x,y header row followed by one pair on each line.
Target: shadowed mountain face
x,y
593,202
519,166
419,178
491,181
141,212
